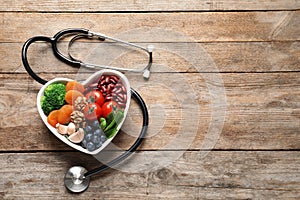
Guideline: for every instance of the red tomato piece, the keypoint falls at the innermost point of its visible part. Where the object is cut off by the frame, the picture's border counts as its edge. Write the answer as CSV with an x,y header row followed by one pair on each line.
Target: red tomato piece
x,y
107,108
92,111
95,96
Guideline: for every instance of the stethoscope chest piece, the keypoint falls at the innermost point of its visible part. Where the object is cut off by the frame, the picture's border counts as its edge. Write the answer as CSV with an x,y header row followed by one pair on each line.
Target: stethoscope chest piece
x,y
75,181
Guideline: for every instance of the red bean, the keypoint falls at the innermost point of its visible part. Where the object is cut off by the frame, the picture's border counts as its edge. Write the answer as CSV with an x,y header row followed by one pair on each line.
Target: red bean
x,y
114,90
115,78
108,98
121,96
123,88
118,91
119,85
121,104
103,88
107,79
102,82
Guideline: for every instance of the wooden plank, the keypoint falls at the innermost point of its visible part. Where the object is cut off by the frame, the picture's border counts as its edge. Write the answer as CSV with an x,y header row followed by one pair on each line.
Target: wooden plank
x,y
219,175
161,5
227,57
201,27
262,111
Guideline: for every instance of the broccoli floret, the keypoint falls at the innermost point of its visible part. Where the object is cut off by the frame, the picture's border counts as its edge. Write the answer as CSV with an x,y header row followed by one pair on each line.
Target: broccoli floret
x,y
54,97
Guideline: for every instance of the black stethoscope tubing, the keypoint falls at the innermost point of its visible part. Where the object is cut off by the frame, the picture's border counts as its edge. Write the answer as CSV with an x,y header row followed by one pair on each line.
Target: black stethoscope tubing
x,y
73,63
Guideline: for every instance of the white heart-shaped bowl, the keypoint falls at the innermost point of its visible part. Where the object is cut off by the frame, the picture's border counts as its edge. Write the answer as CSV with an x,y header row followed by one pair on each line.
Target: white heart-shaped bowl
x,y
91,79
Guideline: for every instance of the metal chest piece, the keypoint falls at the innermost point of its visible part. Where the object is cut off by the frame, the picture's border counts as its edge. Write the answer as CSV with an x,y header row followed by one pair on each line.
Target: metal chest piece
x,y
75,180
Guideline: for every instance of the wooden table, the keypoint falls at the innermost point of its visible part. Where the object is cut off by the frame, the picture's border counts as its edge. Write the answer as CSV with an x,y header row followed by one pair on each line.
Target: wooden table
x,y
255,50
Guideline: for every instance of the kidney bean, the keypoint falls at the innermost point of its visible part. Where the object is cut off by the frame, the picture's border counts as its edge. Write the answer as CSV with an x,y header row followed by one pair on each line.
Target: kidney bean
x,y
102,82
103,88
109,88
118,91
108,98
121,104
120,95
113,81
118,84
114,90
115,78
107,79
119,98
123,88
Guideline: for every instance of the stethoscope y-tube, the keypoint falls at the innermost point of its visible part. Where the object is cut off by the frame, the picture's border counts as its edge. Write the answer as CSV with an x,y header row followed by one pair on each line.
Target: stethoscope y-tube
x,y
77,178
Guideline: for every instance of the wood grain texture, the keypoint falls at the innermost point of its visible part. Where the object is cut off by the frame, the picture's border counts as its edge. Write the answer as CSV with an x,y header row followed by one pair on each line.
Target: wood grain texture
x,y
262,111
227,57
201,27
150,5
219,175
248,49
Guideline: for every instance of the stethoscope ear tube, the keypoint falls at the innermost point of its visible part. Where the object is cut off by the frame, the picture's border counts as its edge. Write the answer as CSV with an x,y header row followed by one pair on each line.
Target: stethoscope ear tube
x,y
25,60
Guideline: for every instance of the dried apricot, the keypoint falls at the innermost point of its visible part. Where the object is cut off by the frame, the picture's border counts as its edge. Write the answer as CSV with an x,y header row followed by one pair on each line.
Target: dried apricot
x,y
64,114
72,95
74,85
52,118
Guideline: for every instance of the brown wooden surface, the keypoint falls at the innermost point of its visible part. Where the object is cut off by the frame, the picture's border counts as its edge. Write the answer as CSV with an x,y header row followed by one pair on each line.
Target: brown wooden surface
x,y
222,26
220,175
255,49
150,5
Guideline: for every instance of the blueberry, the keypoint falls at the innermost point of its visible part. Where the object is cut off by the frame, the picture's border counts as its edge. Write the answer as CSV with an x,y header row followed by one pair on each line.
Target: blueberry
x,y
83,142
103,138
90,146
96,124
88,137
88,129
96,139
99,145
97,132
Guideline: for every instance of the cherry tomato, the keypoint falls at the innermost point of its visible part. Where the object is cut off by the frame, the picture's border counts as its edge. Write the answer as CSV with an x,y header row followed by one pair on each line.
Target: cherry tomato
x,y
107,108
92,111
95,96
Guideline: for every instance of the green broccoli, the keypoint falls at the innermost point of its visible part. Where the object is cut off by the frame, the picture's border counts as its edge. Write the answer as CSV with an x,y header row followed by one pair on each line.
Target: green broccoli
x,y
54,97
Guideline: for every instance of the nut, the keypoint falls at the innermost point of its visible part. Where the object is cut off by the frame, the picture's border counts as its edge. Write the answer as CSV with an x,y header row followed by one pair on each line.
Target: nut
x,y
77,117
80,103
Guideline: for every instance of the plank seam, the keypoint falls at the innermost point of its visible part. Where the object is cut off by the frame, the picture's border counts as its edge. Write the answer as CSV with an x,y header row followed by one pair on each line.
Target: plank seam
x,y
162,150
146,11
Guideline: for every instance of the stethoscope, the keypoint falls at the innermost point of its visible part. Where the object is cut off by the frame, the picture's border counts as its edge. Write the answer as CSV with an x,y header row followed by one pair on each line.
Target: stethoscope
x,y
77,178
